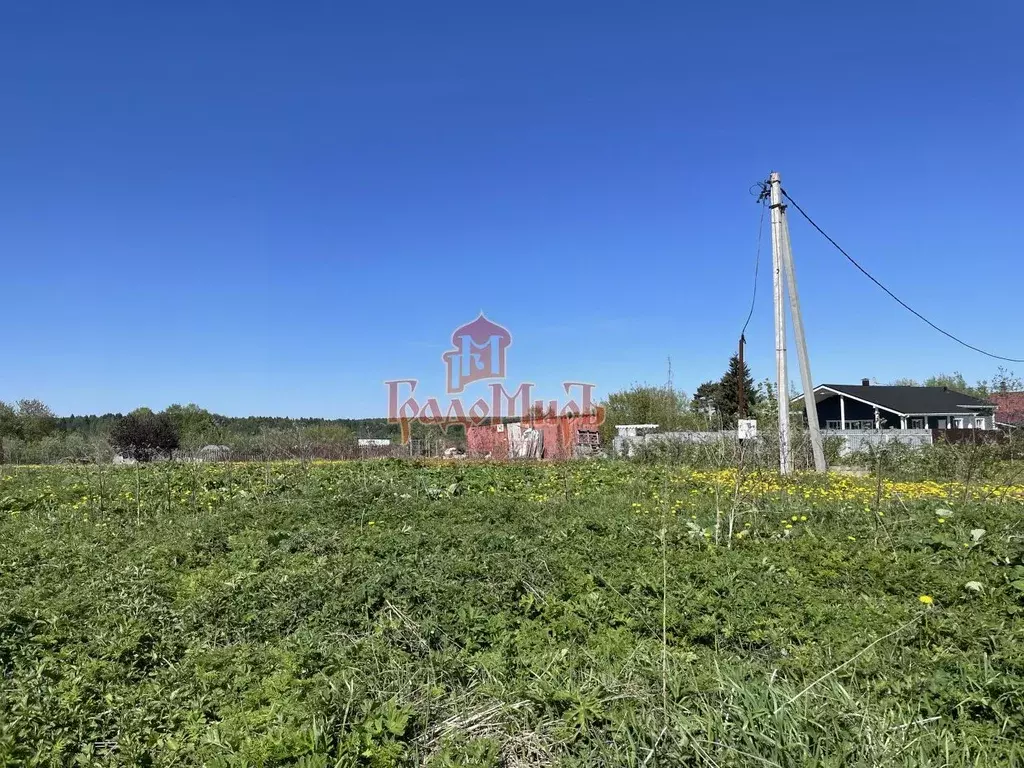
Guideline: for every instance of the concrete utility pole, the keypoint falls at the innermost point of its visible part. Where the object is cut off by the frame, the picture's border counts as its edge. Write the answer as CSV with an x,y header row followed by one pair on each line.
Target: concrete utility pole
x,y
778,289
780,229
813,427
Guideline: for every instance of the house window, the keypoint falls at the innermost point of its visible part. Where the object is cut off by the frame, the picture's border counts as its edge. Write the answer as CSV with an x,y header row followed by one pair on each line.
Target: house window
x,y
832,424
917,423
958,423
588,439
979,422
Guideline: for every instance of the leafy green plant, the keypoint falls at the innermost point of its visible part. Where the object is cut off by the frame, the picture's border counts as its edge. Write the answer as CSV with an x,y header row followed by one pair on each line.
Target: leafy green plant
x,y
597,613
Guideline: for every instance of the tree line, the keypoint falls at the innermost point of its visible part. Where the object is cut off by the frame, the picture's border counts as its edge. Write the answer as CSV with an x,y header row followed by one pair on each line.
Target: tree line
x,y
1002,381
715,404
31,433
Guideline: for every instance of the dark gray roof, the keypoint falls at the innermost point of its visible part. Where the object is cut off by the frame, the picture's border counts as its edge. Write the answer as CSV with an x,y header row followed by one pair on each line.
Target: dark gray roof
x,y
907,399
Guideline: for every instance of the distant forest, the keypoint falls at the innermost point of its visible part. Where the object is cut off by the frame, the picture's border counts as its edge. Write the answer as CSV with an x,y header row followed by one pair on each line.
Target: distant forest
x,y
31,433
212,424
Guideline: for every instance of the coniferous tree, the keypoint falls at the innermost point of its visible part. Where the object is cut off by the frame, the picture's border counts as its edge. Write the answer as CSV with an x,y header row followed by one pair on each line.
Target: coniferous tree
x,y
728,391
720,399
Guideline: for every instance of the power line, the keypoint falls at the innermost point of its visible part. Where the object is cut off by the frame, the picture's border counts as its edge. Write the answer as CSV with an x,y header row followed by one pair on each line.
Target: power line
x,y
757,264
893,295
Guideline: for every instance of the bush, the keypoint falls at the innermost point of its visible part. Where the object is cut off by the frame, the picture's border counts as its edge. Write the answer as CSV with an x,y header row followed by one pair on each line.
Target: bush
x,y
142,435
963,462
58,448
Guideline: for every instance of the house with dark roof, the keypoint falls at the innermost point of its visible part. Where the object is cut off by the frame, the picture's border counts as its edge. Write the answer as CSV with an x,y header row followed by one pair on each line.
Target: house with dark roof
x,y
872,406
1009,408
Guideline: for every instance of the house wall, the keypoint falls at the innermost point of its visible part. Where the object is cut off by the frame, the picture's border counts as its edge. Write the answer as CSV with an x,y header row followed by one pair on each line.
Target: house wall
x,y
990,422
828,410
559,437
486,440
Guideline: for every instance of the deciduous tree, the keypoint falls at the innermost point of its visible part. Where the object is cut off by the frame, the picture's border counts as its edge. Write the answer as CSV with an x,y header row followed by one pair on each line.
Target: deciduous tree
x,y
143,435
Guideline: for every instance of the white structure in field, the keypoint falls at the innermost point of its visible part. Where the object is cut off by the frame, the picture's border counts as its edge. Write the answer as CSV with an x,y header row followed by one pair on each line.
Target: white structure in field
x,y
634,430
747,429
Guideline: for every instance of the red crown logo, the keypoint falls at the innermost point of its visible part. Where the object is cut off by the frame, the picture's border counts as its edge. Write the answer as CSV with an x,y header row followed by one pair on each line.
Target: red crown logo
x,y
478,353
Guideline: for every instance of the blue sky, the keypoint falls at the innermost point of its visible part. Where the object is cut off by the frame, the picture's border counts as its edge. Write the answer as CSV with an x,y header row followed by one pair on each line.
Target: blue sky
x,y
271,208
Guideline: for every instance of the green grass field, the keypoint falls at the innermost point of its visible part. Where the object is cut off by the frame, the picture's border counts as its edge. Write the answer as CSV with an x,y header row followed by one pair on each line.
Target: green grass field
x,y
590,614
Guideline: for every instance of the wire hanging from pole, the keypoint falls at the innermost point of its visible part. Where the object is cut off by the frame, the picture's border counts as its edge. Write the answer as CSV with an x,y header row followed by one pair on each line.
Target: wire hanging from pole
x,y
892,295
741,397
757,260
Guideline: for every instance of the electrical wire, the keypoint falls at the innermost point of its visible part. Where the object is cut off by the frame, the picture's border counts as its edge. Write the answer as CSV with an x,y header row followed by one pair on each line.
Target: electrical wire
x,y
757,265
893,295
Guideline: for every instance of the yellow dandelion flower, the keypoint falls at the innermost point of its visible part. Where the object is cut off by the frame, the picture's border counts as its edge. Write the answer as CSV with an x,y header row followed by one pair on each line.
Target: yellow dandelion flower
x,y
926,599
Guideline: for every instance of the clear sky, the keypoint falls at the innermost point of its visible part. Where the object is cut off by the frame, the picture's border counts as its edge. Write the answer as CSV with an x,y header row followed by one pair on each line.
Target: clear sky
x,y
271,208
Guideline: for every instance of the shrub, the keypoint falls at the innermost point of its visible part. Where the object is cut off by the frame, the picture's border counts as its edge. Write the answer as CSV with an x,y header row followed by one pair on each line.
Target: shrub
x,y
142,435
